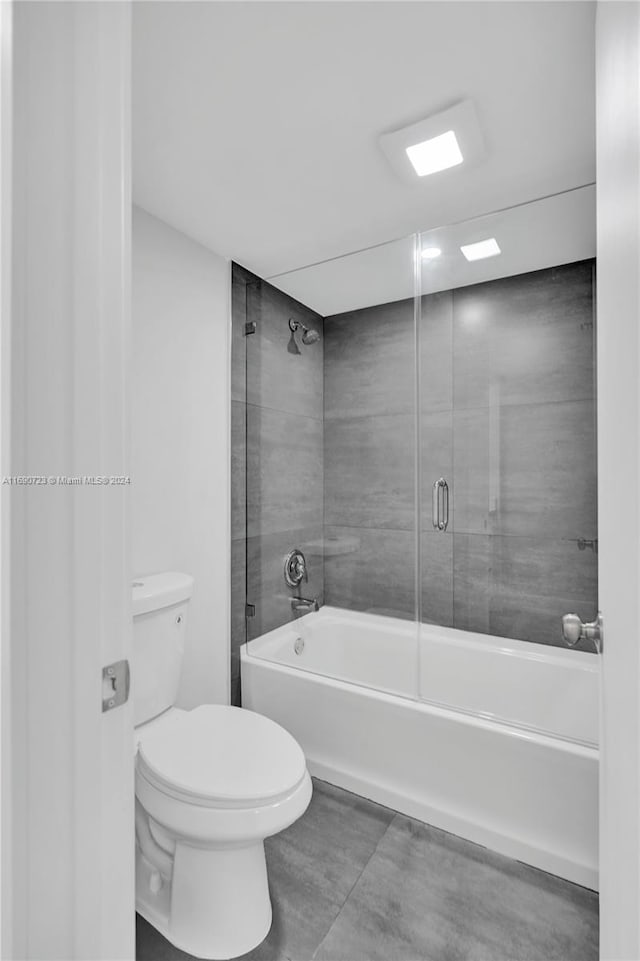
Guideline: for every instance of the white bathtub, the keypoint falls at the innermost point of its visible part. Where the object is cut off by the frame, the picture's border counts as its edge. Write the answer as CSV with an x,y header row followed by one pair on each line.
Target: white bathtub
x,y
501,749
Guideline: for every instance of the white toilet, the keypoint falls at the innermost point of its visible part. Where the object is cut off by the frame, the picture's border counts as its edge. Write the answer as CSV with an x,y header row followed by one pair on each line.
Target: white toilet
x,y
211,784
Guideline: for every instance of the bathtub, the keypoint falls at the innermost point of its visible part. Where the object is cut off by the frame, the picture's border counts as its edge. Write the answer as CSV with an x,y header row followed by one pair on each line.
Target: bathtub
x,y
500,748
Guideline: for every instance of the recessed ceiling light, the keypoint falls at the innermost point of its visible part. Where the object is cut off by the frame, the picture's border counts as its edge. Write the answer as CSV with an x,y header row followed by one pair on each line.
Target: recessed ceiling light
x,y
438,153
484,248
428,253
445,139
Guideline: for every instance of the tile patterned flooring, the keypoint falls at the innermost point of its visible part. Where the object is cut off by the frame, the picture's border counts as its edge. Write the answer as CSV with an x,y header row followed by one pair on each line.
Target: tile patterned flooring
x,y
355,881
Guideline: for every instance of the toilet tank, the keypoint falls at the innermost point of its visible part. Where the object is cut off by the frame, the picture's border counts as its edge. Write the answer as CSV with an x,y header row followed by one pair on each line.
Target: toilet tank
x,y
160,603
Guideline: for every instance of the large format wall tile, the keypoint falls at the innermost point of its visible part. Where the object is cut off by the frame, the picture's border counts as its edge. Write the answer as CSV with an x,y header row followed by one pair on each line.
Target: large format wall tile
x,y
436,450
530,336
377,574
521,586
526,469
284,471
370,361
436,351
266,586
369,471
507,418
437,578
277,377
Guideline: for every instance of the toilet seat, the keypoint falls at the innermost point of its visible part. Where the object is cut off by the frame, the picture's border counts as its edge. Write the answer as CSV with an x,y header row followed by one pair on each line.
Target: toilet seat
x,y
221,757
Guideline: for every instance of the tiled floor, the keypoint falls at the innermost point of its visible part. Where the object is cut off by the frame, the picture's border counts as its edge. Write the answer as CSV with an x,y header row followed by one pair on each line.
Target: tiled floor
x,y
354,881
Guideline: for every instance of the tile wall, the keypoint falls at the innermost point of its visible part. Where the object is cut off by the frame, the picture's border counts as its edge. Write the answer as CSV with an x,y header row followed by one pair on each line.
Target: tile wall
x,y
369,459
507,417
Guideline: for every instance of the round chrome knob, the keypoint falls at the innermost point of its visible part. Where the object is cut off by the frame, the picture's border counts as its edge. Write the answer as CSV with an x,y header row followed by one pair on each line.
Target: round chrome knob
x,y
295,568
572,629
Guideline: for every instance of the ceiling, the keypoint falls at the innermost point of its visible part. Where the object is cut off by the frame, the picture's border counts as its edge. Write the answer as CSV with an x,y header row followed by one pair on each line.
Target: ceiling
x,y
556,230
255,125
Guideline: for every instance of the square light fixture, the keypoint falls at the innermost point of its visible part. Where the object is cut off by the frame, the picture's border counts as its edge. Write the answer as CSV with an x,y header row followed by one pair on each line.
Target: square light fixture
x,y
482,249
435,154
451,138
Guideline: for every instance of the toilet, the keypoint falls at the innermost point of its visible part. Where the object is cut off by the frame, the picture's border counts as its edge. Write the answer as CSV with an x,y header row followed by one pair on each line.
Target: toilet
x,y
211,784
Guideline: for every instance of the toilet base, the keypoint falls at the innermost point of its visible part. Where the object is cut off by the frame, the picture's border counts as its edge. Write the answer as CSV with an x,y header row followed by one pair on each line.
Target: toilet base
x,y
217,904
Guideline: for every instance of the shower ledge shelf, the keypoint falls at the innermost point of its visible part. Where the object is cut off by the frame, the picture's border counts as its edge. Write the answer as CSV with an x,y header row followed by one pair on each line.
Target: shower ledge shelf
x,y
333,546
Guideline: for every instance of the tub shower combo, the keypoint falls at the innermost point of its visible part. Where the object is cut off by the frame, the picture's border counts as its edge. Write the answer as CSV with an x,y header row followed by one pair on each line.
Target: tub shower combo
x,y
415,528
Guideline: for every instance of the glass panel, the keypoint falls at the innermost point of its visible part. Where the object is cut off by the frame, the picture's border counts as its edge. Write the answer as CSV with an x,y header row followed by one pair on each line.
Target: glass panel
x,y
508,420
431,454
284,455
330,428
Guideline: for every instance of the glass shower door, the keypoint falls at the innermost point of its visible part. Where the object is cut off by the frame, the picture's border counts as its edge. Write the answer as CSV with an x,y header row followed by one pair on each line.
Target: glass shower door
x,y
508,424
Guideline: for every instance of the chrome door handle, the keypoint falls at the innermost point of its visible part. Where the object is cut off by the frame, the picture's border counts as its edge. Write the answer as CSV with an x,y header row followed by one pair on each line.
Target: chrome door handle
x,y
440,504
574,630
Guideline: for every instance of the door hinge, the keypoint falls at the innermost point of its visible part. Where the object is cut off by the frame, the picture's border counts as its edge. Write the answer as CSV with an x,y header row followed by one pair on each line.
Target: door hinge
x,y
250,610
115,684
250,328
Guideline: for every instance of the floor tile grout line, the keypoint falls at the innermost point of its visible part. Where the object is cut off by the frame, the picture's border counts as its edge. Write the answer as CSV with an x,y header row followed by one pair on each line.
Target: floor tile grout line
x,y
351,889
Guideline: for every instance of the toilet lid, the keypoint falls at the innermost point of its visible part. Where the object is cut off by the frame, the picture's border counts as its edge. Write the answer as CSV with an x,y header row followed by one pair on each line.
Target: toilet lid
x,y
223,754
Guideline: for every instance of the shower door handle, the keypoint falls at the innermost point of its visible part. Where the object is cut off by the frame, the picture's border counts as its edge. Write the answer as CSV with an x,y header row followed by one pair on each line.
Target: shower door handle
x,y
440,504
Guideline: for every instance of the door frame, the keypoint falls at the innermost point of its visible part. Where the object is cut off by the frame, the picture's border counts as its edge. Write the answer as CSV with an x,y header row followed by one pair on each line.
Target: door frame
x,y
69,780
618,299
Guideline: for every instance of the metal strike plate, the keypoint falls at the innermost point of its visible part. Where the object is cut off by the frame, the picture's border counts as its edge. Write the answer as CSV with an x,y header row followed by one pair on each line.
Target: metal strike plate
x,y
115,685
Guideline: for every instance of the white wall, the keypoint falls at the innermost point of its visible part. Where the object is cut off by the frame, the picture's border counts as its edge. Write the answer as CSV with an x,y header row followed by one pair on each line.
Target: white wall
x,y
180,434
618,183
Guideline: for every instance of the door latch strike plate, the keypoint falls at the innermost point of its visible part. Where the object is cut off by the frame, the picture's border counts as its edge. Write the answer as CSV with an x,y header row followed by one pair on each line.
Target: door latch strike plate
x,y
115,684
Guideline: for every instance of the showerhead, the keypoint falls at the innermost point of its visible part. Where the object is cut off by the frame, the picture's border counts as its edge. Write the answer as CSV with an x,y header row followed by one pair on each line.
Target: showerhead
x,y
309,336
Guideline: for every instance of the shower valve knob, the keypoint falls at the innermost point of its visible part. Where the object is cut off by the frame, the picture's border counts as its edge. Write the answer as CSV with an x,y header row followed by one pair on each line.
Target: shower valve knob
x,y
295,568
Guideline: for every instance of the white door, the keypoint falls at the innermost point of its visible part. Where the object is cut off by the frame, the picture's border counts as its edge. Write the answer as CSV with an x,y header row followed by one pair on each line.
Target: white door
x,y
618,184
72,864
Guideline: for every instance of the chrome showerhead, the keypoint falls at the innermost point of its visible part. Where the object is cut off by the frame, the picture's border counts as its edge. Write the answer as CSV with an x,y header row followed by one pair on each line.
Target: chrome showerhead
x,y
309,336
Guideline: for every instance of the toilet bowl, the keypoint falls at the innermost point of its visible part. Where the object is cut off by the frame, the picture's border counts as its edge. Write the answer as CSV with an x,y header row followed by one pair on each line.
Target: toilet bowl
x,y
211,784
